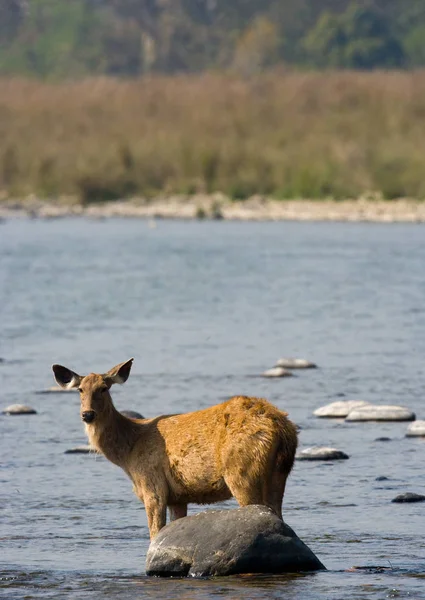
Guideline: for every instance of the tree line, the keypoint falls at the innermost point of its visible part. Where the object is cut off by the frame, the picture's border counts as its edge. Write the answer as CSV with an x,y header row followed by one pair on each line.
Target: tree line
x,y
75,38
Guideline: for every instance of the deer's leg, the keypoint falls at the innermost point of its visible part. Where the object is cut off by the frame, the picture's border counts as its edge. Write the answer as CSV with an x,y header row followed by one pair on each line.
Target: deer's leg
x,y
154,497
177,511
245,492
156,512
275,492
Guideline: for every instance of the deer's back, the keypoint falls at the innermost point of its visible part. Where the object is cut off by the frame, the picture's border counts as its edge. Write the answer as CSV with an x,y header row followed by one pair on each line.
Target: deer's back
x,y
196,449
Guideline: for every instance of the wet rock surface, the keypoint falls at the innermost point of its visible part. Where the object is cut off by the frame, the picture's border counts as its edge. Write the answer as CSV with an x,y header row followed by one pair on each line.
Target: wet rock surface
x,y
339,409
381,413
132,414
277,372
19,409
416,429
409,497
321,453
251,539
295,363
79,450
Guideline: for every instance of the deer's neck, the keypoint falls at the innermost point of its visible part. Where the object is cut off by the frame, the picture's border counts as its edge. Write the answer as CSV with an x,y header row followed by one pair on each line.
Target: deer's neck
x,y
114,437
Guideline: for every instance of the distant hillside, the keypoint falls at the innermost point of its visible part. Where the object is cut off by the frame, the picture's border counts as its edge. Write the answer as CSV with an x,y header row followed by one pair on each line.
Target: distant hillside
x,y
73,38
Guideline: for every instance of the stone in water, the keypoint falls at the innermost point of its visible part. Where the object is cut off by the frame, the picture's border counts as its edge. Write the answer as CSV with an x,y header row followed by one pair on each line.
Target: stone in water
x,y
132,414
295,363
381,413
321,453
277,372
19,409
79,450
409,497
251,539
339,409
416,429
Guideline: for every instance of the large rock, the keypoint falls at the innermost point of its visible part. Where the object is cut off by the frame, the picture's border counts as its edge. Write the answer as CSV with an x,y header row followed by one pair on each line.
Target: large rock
x,y
295,363
321,453
416,429
381,413
339,409
251,539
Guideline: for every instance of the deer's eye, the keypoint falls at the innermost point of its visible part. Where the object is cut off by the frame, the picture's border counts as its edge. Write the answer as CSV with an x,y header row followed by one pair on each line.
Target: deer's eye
x,y
80,390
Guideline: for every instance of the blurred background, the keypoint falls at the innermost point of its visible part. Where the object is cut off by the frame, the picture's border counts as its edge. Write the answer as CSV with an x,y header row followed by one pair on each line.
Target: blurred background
x,y
105,99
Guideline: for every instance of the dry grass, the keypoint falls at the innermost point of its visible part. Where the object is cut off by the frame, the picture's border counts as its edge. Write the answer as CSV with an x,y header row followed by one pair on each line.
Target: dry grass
x,y
288,135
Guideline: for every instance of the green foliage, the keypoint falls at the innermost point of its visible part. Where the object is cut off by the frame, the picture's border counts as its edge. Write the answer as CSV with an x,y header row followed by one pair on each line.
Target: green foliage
x,y
359,38
414,45
71,38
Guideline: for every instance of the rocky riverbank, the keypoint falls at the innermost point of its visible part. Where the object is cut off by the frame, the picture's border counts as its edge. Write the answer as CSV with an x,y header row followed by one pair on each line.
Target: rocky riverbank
x,y
217,206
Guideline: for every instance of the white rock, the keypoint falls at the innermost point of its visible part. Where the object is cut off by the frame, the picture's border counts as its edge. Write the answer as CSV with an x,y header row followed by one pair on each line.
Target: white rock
x,y
19,409
381,413
416,429
321,453
277,372
295,363
339,409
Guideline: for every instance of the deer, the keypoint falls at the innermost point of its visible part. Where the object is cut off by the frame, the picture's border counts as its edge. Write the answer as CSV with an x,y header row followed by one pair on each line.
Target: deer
x,y
242,448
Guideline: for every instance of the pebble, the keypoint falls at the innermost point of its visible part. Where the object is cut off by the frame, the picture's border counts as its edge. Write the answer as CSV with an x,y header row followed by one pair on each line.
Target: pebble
x,y
416,429
277,372
295,363
132,414
381,478
321,453
383,439
339,409
19,409
79,450
381,413
409,497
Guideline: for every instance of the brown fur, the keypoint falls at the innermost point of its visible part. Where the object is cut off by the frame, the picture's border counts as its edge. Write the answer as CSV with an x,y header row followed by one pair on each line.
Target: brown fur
x,y
244,447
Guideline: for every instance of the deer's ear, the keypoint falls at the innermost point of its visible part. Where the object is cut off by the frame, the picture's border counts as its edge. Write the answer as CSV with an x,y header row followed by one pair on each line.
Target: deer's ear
x,y
65,377
120,373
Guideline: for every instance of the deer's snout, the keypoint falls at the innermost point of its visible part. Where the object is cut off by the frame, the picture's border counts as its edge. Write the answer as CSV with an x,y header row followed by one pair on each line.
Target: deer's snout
x,y
88,416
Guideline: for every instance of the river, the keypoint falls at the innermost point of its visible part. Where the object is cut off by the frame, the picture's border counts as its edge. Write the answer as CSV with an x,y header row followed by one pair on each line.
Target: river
x,y
204,308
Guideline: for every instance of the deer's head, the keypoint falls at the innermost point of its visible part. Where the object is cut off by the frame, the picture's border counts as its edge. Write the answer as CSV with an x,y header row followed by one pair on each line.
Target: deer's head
x,y
96,400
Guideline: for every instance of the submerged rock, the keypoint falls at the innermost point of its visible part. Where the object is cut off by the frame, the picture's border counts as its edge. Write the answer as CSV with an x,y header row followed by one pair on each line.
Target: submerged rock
x,y
79,450
19,409
321,453
251,539
339,409
277,372
409,497
416,429
295,363
381,413
132,414
55,389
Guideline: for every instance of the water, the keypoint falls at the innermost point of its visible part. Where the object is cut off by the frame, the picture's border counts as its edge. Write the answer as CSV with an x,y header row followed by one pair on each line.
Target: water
x,y
204,307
